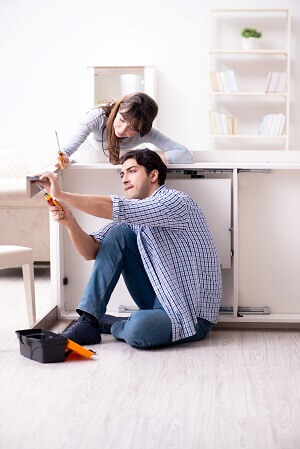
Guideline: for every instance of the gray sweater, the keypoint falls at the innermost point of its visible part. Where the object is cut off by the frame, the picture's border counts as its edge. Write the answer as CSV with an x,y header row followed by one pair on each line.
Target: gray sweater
x,y
90,132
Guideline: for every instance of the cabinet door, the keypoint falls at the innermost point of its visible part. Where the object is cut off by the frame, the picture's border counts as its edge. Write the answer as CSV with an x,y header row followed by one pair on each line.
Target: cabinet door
x,y
214,198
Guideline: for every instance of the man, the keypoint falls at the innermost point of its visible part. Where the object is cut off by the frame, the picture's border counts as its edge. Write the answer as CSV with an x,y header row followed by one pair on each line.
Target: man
x,y
160,242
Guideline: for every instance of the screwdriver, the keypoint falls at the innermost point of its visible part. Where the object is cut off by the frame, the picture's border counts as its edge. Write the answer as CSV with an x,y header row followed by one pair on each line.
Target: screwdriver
x,y
61,154
51,201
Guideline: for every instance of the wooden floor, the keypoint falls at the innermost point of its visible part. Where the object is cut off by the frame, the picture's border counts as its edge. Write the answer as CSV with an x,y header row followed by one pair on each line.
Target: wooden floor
x,y
236,389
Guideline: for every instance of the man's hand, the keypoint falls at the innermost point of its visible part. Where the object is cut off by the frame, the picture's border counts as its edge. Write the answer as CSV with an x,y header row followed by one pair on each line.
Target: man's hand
x,y
99,206
50,182
85,244
63,217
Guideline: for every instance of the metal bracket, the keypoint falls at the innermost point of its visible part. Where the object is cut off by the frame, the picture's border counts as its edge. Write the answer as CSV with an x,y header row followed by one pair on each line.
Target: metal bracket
x,y
266,171
245,310
195,172
125,309
224,310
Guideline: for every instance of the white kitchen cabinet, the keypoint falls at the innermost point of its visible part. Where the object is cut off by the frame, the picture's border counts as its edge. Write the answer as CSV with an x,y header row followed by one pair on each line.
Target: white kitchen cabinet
x,y
253,210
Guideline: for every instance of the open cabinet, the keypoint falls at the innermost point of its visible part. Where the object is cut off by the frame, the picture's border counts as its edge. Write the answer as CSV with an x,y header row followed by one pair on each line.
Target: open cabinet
x,y
253,211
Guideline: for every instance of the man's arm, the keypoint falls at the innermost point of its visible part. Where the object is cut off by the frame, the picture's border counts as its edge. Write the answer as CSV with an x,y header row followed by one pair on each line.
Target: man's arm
x,y
85,244
99,206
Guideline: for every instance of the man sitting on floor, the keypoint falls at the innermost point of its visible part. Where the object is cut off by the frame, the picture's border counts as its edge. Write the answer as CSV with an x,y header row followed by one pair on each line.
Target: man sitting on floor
x,y
160,242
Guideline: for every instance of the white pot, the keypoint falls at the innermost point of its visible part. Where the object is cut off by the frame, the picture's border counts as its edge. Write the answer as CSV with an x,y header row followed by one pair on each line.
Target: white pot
x,y
249,43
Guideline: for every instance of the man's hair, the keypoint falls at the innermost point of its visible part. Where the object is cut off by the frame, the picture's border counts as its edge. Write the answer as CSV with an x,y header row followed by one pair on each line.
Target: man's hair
x,y
148,159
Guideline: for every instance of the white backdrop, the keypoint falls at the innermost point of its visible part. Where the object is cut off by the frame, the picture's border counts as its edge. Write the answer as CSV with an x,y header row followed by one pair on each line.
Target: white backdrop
x,y
46,45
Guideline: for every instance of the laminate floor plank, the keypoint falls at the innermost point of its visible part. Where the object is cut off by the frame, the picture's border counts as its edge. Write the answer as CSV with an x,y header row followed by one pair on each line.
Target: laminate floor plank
x,y
235,389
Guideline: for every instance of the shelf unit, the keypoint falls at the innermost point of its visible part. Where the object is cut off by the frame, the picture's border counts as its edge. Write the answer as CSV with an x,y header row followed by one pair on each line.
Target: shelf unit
x,y
251,67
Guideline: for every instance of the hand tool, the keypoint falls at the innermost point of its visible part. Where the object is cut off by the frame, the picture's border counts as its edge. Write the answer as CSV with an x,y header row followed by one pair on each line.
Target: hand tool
x,y
51,201
61,154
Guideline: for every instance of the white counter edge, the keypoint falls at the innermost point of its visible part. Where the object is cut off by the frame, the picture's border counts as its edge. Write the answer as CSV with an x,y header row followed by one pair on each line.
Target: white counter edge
x,y
200,165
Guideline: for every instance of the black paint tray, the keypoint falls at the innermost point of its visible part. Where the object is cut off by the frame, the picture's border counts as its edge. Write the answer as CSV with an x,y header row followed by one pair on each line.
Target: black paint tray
x,y
42,345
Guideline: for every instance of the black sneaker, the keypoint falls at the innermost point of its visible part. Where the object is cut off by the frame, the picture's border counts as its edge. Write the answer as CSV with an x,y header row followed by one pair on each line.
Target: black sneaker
x,y
107,321
83,332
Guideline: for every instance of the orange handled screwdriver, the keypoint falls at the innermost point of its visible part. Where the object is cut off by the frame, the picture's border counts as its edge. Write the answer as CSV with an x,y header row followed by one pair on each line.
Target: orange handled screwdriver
x,y
62,158
61,154
51,201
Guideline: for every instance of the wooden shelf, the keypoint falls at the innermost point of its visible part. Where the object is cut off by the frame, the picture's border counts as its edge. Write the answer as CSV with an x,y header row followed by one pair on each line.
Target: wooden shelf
x,y
250,52
248,10
272,318
248,136
254,94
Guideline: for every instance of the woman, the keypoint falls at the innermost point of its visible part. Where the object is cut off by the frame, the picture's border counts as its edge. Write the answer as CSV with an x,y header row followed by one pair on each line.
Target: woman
x,y
116,127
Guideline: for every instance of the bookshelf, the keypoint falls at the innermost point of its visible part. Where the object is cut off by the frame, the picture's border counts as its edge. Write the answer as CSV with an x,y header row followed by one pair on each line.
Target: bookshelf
x,y
250,87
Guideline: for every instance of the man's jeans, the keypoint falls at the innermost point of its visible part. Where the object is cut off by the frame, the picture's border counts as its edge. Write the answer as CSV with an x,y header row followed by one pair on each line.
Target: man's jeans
x,y
148,327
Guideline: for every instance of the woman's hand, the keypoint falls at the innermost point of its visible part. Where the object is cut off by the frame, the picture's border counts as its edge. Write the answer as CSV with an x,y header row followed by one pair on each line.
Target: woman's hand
x,y
61,160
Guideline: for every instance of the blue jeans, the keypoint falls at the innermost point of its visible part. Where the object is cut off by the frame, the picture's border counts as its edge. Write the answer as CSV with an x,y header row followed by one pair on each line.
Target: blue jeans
x,y
148,327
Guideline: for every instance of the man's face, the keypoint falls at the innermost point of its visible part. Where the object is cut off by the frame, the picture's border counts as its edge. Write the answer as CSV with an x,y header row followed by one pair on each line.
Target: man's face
x,y
137,184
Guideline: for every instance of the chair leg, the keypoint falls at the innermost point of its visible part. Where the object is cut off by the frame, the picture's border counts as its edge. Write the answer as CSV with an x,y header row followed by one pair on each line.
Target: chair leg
x,y
28,276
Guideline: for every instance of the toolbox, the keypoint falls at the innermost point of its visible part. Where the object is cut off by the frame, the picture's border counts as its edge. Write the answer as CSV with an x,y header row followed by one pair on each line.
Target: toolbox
x,y
48,347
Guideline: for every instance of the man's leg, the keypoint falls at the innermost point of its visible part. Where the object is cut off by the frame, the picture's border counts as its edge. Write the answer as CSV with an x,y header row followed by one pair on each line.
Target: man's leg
x,y
153,328
118,253
145,328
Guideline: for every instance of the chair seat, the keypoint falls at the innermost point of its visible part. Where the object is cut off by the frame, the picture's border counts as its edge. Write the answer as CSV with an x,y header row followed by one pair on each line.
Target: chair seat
x,y
15,256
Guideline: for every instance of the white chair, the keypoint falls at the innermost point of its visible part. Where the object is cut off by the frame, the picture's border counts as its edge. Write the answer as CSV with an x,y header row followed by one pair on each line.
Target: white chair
x,y
16,256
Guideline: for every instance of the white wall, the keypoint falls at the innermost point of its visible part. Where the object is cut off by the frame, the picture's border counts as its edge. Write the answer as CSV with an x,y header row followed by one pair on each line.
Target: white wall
x,y
45,46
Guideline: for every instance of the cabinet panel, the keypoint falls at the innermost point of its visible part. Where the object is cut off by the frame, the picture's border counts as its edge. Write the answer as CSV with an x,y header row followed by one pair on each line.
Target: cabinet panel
x,y
214,198
269,240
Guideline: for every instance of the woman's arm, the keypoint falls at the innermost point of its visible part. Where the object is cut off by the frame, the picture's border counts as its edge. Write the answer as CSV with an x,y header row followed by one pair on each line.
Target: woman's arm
x,y
175,152
92,122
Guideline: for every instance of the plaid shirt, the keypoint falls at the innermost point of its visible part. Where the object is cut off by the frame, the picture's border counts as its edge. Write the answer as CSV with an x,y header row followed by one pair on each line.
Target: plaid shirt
x,y
178,252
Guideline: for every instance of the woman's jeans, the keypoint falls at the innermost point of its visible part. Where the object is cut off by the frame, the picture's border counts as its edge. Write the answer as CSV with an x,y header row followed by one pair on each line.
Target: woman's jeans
x,y
148,327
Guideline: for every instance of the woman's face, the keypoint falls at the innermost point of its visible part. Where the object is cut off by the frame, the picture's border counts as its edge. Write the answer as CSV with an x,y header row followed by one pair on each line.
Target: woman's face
x,y
123,128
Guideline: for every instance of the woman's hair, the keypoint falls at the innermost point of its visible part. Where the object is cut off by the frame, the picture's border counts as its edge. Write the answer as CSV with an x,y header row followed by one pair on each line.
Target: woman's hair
x,y
138,109
148,159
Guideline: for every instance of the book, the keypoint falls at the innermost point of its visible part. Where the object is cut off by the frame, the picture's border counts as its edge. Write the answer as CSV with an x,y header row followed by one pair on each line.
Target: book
x,y
233,80
235,123
262,125
281,85
268,81
276,82
224,82
282,124
213,122
273,82
213,81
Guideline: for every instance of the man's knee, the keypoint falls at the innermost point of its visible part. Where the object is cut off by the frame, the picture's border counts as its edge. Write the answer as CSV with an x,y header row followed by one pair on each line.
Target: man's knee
x,y
122,233
143,330
135,331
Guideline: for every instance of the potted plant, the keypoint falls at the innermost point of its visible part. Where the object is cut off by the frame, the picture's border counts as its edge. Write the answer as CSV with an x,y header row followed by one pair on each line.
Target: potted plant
x,y
249,36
